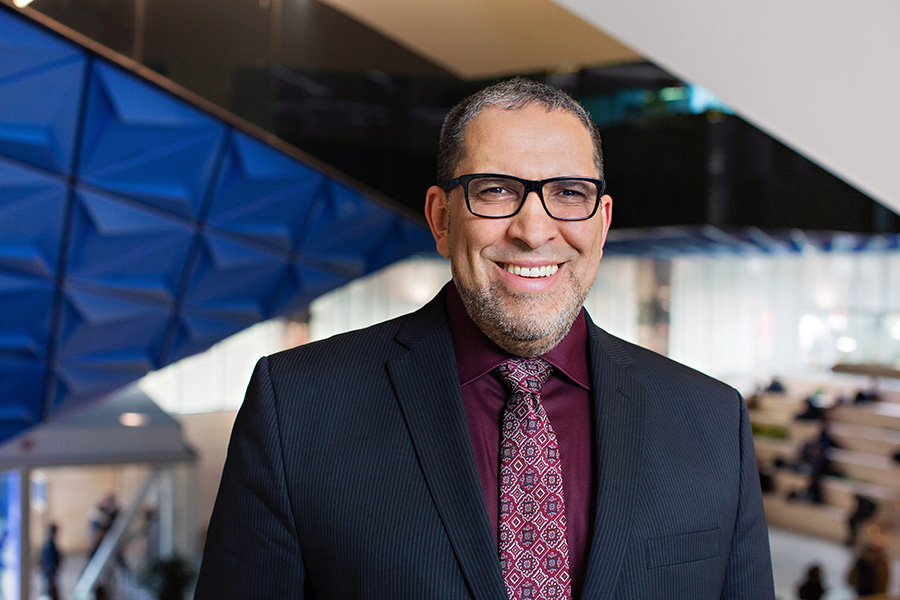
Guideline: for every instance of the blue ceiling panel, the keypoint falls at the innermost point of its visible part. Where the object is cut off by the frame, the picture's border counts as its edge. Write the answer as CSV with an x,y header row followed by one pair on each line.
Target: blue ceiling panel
x,y
402,234
345,228
120,244
32,210
137,229
105,341
27,303
97,322
232,286
80,380
199,327
304,284
143,143
230,274
48,72
264,194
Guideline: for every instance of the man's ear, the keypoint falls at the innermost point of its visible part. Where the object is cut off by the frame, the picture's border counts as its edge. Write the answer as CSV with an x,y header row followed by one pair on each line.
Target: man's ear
x,y
606,203
437,212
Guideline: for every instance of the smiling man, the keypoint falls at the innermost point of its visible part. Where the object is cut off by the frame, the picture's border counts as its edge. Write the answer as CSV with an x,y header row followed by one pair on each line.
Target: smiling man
x,y
495,444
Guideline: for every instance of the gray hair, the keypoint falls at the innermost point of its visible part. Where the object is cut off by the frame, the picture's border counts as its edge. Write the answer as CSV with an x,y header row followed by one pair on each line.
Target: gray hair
x,y
509,95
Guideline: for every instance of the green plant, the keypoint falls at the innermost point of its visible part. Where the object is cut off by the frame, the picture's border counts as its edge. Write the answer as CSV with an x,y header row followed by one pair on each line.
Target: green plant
x,y
169,578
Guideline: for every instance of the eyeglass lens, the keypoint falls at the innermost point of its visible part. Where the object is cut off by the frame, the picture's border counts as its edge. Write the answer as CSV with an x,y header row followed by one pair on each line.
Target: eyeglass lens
x,y
501,197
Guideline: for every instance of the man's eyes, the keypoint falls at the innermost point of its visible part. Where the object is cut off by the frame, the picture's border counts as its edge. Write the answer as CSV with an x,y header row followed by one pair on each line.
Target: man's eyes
x,y
568,194
496,192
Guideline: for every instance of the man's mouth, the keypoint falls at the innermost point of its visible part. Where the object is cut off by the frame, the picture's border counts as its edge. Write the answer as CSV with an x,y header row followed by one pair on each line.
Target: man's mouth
x,y
543,271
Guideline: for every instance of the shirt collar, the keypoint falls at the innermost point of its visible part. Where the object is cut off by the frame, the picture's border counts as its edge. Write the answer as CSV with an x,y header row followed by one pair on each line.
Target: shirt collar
x,y
477,355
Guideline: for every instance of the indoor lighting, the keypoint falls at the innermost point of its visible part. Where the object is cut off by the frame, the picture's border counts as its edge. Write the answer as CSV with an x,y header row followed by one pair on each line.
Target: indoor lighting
x,y
838,321
811,328
846,344
133,419
895,330
22,3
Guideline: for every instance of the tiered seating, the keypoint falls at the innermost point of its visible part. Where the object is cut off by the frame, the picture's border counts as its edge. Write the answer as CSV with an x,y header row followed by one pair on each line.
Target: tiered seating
x,y
866,435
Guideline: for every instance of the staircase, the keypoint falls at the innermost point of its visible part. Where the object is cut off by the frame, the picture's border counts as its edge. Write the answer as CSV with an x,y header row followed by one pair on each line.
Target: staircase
x,y
866,436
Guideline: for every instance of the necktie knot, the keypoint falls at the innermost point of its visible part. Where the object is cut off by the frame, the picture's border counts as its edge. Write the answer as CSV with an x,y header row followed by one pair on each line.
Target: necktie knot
x,y
525,375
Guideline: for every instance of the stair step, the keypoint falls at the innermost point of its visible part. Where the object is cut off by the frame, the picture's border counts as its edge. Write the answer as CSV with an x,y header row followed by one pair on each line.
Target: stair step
x,y
840,492
870,468
768,450
822,521
884,415
781,403
864,438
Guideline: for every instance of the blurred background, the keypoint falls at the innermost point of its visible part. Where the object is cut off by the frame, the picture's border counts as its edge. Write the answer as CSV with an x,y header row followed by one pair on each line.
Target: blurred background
x,y
187,186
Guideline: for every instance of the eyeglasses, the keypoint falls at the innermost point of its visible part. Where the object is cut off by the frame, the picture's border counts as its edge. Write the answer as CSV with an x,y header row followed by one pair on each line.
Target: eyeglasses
x,y
495,196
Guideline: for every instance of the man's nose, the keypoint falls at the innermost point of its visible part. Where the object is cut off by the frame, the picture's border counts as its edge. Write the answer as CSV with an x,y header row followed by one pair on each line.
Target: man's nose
x,y
532,224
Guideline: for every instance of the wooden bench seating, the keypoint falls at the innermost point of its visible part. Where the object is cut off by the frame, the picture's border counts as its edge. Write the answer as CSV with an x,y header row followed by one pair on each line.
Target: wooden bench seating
x,y
819,520
865,438
867,435
866,467
885,415
841,492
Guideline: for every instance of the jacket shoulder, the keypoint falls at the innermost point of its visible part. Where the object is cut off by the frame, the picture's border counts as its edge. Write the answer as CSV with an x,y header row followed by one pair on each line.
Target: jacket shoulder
x,y
654,369
369,346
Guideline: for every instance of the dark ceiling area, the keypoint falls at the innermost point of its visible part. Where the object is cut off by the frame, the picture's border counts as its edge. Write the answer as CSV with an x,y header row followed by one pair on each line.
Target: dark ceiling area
x,y
666,164
372,108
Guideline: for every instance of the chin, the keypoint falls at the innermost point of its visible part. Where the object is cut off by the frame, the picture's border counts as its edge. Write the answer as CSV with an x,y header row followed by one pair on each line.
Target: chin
x,y
521,325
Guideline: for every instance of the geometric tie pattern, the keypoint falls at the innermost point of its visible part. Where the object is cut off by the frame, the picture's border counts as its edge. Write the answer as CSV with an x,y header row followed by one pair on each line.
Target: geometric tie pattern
x,y
534,552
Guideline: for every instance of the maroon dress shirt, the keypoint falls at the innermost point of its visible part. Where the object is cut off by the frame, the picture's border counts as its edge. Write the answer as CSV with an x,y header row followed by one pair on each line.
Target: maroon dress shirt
x,y
566,399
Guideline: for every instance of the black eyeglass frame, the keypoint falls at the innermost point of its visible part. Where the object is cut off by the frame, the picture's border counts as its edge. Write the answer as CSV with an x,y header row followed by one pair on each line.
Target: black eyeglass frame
x,y
531,185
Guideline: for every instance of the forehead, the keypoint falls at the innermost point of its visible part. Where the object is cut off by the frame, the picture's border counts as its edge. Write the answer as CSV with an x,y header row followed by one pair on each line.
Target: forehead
x,y
530,142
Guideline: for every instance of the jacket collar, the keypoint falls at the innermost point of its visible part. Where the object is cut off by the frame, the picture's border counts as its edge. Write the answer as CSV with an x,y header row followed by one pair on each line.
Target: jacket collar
x,y
619,418
427,386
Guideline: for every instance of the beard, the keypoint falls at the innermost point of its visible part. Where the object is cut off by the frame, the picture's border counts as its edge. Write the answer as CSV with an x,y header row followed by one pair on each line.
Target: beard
x,y
523,324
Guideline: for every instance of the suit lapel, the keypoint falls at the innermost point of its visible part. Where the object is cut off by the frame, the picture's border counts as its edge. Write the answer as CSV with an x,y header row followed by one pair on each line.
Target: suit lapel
x,y
619,404
427,386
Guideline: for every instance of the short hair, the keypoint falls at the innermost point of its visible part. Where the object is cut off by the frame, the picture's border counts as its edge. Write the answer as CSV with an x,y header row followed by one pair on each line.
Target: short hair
x,y
508,95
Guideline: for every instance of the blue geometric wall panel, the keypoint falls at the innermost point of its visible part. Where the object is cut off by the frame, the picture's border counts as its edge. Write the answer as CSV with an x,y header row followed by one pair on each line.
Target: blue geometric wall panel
x,y
137,229
23,401
235,277
143,143
345,229
41,82
105,341
124,246
284,192
27,303
32,210
25,320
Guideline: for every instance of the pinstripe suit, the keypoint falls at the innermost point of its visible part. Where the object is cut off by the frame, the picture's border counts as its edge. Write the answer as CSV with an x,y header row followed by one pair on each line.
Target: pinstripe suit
x,y
350,474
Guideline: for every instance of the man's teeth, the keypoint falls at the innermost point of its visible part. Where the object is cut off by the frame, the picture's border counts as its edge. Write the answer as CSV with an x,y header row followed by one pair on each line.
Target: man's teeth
x,y
544,271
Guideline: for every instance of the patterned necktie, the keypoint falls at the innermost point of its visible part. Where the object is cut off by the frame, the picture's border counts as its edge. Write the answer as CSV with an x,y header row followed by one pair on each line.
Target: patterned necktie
x,y
534,553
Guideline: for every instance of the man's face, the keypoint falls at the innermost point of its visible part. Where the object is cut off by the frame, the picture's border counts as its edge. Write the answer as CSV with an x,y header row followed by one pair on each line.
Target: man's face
x,y
530,312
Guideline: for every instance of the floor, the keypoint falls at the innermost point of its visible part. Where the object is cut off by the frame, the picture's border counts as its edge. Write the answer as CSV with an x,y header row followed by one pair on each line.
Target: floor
x,y
791,556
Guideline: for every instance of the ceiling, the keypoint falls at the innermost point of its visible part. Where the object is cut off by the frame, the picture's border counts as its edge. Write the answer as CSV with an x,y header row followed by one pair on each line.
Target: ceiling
x,y
137,228
819,75
475,39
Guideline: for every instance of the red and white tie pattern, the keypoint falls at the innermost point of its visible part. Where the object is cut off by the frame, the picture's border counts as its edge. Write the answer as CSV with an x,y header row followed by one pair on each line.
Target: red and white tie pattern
x,y
534,553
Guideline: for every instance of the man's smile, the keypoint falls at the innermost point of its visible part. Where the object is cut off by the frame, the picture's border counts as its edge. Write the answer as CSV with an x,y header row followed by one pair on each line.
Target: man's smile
x,y
542,271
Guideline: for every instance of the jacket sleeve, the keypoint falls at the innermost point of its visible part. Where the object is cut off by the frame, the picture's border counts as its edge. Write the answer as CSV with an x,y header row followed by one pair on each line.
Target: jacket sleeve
x,y
252,549
749,570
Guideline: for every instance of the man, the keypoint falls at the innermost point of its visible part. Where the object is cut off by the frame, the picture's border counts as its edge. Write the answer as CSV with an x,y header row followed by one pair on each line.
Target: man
x,y
51,559
494,444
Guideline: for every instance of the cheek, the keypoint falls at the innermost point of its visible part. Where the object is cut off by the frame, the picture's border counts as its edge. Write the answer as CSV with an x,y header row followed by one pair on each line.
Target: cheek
x,y
469,242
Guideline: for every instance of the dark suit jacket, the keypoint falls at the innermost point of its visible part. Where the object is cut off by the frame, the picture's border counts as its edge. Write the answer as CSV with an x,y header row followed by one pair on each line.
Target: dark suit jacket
x,y
350,474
